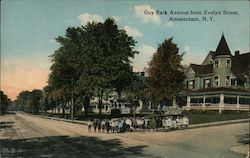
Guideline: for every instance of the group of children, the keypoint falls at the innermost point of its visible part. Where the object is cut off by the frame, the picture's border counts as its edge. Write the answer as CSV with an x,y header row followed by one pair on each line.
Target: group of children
x,y
133,124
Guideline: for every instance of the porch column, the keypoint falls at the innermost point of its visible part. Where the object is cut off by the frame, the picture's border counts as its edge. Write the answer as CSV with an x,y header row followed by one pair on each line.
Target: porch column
x,y
204,101
221,104
188,102
238,101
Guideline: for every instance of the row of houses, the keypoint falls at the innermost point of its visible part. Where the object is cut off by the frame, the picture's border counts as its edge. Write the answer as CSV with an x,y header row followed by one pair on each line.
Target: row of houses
x,y
221,82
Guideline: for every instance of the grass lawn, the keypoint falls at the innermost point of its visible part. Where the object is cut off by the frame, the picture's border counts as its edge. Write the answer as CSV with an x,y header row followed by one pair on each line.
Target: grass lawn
x,y
196,118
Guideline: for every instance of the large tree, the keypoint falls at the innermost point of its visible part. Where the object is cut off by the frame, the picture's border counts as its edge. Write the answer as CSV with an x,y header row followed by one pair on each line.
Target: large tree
x,y
165,73
30,101
109,52
96,59
4,102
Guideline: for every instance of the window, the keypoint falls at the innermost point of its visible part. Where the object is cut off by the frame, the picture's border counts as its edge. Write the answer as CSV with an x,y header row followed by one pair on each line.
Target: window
x,y
233,82
216,80
191,84
217,63
228,63
213,100
207,83
245,101
240,83
230,100
196,100
227,80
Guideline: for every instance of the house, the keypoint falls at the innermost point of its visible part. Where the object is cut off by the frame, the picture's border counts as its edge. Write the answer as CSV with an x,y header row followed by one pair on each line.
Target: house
x,y
221,81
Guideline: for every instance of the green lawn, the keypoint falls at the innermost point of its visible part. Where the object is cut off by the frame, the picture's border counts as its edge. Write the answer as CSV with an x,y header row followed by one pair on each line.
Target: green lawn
x,y
196,118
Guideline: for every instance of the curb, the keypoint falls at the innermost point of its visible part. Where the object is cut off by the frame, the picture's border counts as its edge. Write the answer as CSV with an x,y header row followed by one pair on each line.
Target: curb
x,y
57,119
220,123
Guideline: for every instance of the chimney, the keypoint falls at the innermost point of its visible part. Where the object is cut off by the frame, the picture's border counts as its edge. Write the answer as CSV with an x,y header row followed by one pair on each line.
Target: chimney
x,y
237,53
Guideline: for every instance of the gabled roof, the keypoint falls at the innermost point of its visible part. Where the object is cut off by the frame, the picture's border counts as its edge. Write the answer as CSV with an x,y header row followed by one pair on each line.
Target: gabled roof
x,y
241,64
202,69
222,48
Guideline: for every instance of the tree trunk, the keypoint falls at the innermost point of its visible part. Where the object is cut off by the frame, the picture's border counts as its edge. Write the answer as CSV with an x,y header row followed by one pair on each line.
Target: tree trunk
x,y
63,109
86,104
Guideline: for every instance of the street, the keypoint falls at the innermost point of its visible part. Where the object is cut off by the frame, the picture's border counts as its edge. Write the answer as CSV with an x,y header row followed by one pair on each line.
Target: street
x,y
24,135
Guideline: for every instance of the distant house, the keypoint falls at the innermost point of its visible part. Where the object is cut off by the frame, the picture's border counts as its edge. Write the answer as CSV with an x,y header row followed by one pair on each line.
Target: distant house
x,y
221,81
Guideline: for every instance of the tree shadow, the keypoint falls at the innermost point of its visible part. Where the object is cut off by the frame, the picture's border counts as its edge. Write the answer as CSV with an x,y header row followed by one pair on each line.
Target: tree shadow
x,y
9,113
65,146
244,139
6,124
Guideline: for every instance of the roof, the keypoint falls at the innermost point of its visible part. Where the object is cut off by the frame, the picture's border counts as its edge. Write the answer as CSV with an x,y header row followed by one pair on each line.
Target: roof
x,y
241,65
222,48
202,69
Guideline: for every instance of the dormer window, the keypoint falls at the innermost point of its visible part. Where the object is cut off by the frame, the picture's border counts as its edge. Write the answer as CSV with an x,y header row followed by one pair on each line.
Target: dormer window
x,y
217,63
228,63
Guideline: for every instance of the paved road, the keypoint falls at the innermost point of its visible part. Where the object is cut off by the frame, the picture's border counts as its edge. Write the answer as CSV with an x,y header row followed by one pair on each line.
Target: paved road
x,y
27,136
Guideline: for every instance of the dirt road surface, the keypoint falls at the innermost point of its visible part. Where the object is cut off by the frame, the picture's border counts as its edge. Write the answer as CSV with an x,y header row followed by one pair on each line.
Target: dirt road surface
x,y
28,136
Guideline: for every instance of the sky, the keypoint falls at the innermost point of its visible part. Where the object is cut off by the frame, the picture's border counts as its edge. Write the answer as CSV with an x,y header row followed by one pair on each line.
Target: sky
x,y
29,29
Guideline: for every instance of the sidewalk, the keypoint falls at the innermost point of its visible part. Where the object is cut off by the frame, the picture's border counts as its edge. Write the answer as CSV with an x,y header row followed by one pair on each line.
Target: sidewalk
x,y
220,123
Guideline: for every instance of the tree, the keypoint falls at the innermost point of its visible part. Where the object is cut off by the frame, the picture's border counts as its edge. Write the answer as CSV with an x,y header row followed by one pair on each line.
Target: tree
x,y
64,74
165,73
22,99
110,51
137,91
30,101
34,100
95,58
4,103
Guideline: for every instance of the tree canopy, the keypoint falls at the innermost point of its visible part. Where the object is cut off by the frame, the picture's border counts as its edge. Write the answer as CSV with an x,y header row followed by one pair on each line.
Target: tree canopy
x,y
4,102
30,101
166,74
93,59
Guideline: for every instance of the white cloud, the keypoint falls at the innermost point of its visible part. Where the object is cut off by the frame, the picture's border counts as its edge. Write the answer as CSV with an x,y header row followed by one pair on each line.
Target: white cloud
x,y
84,18
169,24
145,54
147,18
187,48
133,32
146,50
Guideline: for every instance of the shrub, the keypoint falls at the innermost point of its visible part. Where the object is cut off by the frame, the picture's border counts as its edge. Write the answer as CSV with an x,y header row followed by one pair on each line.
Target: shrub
x,y
115,112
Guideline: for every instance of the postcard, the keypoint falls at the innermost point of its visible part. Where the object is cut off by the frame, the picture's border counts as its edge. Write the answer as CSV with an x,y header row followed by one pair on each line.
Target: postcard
x,y
123,79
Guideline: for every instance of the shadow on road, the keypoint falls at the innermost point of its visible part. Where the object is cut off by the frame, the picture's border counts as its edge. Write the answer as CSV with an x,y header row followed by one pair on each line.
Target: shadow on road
x,y
244,139
6,124
9,113
64,146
